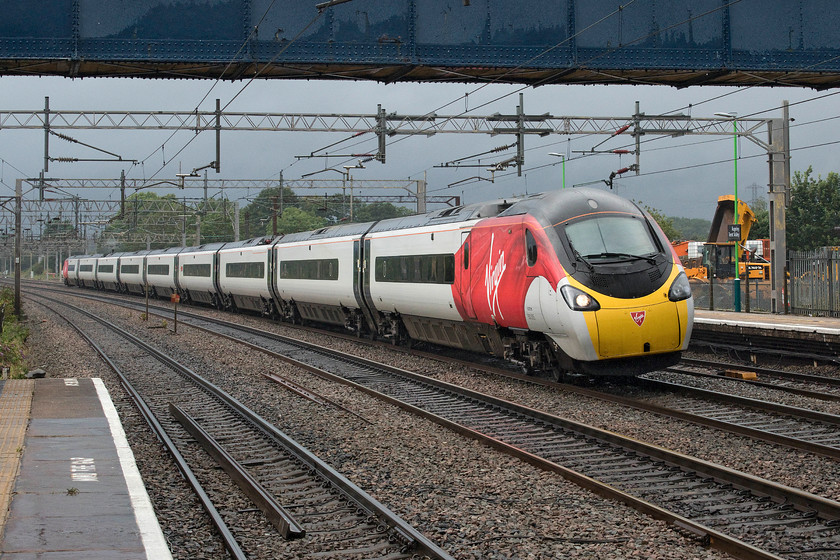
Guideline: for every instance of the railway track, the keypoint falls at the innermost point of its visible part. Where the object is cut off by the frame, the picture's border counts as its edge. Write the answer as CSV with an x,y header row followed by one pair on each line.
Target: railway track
x,y
799,428
318,512
813,386
730,510
765,347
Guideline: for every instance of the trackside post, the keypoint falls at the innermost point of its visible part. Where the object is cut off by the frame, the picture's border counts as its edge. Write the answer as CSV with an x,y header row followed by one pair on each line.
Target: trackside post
x,y
175,298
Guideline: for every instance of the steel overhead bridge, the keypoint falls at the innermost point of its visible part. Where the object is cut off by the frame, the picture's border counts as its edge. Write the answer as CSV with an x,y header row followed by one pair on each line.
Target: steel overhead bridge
x,y
667,42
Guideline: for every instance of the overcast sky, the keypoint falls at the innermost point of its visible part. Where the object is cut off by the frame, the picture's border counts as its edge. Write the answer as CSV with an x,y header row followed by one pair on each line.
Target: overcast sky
x,y
678,175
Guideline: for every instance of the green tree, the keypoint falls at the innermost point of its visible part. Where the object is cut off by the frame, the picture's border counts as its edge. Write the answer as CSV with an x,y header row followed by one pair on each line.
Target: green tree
x,y
294,220
761,227
261,210
216,220
144,214
666,223
379,211
165,219
56,228
695,229
814,211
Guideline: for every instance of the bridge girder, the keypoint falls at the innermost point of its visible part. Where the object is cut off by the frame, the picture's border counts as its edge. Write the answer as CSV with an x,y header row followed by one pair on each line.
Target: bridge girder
x,y
678,43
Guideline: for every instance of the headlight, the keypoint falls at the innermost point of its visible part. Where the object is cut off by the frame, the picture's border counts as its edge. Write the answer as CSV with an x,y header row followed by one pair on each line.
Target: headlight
x,y
578,300
680,289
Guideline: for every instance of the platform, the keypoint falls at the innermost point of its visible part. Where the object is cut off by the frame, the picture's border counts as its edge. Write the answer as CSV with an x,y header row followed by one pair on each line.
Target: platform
x,y
77,492
815,336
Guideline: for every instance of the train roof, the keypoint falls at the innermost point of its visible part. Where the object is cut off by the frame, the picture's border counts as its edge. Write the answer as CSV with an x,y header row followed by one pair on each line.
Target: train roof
x,y
444,216
340,230
142,253
447,215
253,242
553,207
121,254
94,256
204,247
167,251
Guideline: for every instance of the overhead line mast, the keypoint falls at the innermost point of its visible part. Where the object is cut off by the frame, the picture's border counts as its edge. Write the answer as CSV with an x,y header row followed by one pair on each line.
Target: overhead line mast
x,y
381,123
384,124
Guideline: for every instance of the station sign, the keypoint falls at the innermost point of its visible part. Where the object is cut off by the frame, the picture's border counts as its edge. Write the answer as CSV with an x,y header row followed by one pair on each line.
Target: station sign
x,y
734,232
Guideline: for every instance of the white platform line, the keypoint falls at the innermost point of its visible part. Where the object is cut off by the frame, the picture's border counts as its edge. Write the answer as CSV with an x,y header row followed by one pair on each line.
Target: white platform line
x,y
150,531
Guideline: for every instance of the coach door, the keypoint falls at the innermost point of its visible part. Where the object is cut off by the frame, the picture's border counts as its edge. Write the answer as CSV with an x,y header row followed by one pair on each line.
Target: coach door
x,y
217,259
271,277
361,280
357,273
466,276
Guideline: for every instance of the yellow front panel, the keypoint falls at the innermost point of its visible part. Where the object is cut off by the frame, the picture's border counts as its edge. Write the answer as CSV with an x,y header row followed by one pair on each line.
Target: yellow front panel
x,y
625,332
616,334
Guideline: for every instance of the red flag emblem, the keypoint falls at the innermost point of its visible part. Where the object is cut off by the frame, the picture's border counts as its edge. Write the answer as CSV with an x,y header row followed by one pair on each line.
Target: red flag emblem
x,y
638,317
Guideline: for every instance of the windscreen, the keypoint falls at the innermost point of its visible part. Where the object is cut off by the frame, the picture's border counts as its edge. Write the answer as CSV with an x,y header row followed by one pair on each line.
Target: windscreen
x,y
611,237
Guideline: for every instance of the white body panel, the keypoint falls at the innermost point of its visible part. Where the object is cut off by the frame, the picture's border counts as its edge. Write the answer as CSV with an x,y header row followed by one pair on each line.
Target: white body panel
x,y
87,270
128,277
249,287
424,300
106,270
161,281
546,311
196,283
72,271
321,292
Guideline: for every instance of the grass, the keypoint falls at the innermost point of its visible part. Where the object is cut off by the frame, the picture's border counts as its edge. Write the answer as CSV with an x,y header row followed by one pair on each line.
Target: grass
x,y
12,338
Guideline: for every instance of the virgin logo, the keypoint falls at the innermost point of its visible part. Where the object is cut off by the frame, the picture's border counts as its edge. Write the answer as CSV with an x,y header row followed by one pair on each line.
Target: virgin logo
x,y
492,279
638,317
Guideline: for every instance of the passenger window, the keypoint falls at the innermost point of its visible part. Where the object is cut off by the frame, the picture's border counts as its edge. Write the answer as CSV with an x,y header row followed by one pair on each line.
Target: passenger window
x,y
530,248
466,255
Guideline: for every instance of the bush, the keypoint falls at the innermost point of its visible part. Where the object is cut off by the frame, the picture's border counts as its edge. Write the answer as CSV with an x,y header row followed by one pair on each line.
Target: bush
x,y
13,337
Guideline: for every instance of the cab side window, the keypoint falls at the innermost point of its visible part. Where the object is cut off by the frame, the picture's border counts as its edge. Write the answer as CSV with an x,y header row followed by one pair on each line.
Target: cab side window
x,y
530,248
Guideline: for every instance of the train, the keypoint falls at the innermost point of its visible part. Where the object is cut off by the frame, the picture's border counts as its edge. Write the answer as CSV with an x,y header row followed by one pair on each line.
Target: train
x,y
570,282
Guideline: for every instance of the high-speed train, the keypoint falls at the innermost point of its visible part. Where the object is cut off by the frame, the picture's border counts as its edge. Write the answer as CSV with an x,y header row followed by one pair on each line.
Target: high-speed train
x,y
577,281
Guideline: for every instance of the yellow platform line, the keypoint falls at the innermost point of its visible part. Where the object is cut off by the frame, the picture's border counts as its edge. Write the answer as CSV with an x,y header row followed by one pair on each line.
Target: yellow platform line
x,y
15,404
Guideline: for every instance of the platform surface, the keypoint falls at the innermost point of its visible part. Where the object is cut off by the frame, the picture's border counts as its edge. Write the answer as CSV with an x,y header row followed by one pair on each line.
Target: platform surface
x,y
77,493
824,325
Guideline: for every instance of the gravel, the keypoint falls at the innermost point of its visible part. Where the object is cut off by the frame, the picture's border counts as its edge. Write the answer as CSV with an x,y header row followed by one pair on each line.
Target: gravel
x,y
466,497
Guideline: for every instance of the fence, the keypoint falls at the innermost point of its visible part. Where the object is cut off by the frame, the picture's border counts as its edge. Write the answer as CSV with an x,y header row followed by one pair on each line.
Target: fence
x,y
813,287
755,295
815,282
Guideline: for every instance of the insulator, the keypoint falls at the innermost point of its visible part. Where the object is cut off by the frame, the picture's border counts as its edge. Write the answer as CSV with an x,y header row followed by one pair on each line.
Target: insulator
x,y
622,129
65,137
